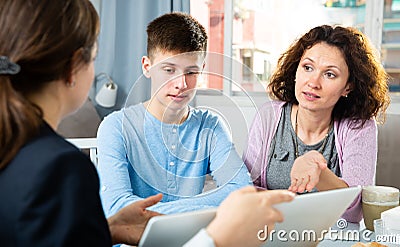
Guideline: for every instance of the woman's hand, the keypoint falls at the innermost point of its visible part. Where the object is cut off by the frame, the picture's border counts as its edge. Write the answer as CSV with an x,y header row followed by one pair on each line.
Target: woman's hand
x,y
306,171
245,212
127,225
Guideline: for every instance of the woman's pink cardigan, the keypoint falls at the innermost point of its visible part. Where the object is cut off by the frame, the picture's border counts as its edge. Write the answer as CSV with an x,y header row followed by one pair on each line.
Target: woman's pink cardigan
x,y
356,148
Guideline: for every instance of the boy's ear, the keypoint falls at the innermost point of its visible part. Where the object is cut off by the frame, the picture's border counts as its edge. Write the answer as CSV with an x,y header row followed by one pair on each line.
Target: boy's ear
x,y
146,65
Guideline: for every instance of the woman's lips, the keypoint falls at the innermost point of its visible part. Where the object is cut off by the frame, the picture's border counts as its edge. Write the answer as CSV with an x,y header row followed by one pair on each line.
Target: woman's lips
x,y
311,96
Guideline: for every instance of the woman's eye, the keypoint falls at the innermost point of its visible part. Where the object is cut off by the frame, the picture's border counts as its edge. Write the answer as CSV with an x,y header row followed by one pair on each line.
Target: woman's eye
x,y
307,68
330,75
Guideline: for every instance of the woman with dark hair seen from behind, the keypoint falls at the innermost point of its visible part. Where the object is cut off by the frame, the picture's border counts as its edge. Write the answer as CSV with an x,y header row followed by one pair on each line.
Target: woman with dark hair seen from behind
x,y
49,189
319,132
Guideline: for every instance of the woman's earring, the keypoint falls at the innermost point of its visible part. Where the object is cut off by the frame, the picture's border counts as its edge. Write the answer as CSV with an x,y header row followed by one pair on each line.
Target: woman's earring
x,y
345,96
71,84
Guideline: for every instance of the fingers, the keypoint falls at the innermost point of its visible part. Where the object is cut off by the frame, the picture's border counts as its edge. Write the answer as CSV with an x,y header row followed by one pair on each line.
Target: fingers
x,y
313,182
299,185
306,171
296,183
150,201
278,216
322,165
247,189
277,196
292,185
310,187
152,213
299,182
272,216
304,184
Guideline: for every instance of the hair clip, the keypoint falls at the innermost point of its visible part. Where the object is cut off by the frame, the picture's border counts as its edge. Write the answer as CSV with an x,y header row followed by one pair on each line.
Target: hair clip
x,y
7,67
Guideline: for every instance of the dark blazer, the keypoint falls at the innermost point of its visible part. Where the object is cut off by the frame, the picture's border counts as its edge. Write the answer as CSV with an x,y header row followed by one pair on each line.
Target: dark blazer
x,y
49,196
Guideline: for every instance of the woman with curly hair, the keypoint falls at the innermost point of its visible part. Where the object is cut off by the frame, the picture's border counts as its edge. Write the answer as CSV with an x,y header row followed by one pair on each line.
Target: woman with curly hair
x,y
319,131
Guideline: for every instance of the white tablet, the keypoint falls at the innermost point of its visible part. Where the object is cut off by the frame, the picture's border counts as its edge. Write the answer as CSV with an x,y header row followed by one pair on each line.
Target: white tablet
x,y
175,229
309,216
306,214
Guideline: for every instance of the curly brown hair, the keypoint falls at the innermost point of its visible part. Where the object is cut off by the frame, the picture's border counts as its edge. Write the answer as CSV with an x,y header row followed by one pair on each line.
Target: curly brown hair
x,y
368,79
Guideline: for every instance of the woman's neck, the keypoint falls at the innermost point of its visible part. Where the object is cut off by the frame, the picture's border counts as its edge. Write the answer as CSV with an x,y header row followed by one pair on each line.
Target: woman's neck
x,y
311,126
49,100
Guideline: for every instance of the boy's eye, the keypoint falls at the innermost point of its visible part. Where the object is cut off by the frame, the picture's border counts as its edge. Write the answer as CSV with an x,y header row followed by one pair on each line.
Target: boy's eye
x,y
169,70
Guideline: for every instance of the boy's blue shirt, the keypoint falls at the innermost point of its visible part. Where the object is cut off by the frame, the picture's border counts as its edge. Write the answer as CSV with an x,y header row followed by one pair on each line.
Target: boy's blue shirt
x,y
140,156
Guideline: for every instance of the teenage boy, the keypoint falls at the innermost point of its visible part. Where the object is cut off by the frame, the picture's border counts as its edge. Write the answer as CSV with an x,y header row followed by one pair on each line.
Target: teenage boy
x,y
163,145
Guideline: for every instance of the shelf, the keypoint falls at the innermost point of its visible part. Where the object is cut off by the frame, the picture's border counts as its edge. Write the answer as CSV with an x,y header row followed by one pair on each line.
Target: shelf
x,y
393,70
390,46
391,20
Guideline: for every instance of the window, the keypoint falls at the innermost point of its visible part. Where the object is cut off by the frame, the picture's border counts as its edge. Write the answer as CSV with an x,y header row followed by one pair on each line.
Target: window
x,y
254,33
390,49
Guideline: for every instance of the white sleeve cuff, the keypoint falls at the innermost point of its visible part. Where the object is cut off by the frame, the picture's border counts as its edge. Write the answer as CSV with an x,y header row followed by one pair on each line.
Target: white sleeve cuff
x,y
201,239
